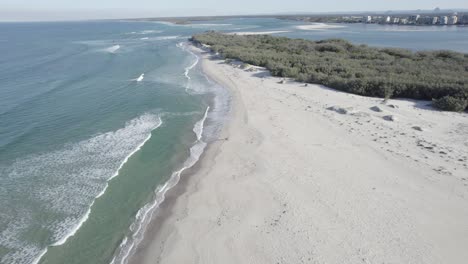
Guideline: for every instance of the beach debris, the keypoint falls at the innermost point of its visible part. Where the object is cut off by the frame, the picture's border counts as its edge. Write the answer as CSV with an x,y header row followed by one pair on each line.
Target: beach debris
x,y
390,118
376,109
418,128
342,110
393,106
305,85
282,81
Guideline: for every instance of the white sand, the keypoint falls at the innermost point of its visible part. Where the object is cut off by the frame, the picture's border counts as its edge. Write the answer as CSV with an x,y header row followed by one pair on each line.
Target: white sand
x,y
298,183
259,32
318,26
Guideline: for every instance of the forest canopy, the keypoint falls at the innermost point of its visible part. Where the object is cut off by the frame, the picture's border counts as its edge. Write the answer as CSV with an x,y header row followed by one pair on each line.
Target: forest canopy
x,y
441,76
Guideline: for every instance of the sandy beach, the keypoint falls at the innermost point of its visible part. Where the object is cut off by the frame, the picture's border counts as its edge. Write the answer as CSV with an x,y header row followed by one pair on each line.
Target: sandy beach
x,y
318,26
312,175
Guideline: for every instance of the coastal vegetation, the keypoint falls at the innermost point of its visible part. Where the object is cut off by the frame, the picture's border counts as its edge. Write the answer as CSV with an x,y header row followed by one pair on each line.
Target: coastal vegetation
x,y
441,76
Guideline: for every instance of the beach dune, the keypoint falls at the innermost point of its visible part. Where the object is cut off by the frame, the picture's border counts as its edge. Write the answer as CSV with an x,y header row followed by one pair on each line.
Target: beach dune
x,y
292,180
318,26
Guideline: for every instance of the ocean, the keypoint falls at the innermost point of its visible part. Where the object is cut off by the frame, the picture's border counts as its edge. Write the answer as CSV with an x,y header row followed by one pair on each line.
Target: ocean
x,y
99,119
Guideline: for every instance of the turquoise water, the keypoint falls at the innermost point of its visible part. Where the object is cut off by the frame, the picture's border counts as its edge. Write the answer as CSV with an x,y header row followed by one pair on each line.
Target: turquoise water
x,y
74,107
98,119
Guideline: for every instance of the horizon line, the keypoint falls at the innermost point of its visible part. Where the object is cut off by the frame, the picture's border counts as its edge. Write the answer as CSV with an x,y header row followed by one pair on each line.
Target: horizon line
x,y
293,13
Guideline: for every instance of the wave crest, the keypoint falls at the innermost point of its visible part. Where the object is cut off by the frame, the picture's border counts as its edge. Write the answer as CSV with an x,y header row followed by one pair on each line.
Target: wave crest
x,y
65,183
144,215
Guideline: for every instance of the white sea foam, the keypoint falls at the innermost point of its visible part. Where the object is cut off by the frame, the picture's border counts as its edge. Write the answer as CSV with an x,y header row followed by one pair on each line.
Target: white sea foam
x,y
191,66
139,79
318,26
113,49
145,32
144,215
166,37
67,182
207,25
166,23
201,129
146,38
38,258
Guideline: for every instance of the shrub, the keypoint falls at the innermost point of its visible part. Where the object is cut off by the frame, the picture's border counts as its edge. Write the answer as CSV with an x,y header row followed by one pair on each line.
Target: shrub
x,y
329,47
450,103
359,69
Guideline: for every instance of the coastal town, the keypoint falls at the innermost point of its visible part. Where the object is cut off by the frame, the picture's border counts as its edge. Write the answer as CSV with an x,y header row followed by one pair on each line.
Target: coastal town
x,y
436,17
453,19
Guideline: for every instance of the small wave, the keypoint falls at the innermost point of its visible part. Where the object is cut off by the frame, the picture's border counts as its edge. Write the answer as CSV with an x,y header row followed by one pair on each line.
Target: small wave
x,y
68,182
144,215
113,49
166,23
73,231
190,67
208,25
36,261
166,37
162,38
146,32
139,79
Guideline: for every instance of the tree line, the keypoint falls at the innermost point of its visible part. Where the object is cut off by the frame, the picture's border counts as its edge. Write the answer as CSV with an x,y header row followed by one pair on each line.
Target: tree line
x,y
441,76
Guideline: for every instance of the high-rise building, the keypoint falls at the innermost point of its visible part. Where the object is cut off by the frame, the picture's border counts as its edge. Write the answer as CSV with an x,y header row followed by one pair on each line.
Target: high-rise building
x,y
464,19
453,20
414,19
443,20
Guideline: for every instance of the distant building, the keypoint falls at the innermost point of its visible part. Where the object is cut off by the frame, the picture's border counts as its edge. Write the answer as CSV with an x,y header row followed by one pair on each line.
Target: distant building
x,y
414,19
388,19
464,19
435,20
452,20
404,21
443,20
426,20
396,20
368,19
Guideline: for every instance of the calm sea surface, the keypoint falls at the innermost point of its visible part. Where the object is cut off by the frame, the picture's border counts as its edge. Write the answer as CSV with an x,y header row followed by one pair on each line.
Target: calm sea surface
x,y
98,119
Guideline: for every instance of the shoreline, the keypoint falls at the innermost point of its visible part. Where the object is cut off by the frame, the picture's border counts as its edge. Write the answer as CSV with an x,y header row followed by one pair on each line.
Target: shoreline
x,y
328,194
157,229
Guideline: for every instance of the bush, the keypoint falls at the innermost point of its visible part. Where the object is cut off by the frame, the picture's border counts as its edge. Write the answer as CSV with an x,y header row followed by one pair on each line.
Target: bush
x,y
359,69
450,103
329,47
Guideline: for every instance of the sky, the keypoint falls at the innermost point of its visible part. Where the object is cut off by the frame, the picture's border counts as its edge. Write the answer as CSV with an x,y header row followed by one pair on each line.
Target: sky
x,y
89,9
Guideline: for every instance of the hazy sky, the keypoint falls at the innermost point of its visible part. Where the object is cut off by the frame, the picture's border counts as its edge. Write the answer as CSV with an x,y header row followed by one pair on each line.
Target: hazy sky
x,y
74,9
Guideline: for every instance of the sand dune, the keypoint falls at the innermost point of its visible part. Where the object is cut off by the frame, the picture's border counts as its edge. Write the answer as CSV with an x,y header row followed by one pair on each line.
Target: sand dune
x,y
312,175
318,26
